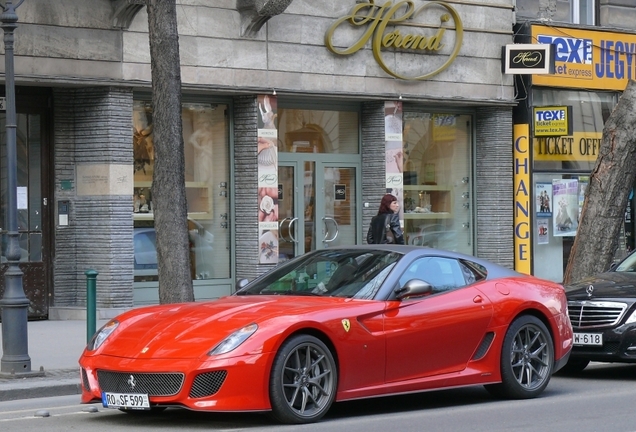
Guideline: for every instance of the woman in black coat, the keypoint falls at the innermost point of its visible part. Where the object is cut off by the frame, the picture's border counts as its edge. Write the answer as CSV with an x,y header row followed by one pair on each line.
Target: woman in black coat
x,y
387,217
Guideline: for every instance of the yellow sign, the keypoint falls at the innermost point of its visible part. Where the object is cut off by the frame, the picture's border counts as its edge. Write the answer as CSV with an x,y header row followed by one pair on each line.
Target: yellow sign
x,y
587,58
552,121
374,20
521,178
581,146
346,325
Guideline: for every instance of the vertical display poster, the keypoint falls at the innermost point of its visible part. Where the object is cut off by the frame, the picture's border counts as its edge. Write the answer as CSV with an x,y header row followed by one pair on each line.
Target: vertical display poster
x,y
543,231
565,194
267,155
394,155
543,199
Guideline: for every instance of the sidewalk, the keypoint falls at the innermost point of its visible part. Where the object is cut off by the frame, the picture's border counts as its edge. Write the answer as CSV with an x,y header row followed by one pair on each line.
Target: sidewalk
x,y
55,348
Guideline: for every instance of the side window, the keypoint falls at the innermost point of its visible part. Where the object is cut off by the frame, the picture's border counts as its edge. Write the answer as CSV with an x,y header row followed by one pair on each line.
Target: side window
x,y
443,274
472,272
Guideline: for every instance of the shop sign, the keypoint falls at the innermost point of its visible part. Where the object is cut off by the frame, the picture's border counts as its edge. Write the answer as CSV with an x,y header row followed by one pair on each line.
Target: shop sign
x,y
580,147
588,58
552,121
401,28
521,178
523,59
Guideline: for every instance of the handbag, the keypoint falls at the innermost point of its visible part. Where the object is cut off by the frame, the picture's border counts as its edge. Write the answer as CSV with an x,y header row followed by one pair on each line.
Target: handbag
x,y
388,232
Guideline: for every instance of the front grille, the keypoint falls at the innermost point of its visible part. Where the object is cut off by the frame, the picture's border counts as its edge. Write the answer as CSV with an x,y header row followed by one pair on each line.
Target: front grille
x,y
207,384
154,384
593,314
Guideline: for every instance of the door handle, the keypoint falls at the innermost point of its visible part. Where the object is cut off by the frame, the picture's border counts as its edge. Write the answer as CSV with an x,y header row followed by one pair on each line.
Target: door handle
x,y
326,240
291,231
280,228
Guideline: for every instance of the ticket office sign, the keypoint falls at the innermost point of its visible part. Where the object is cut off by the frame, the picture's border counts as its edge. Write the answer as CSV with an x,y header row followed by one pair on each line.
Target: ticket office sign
x,y
552,121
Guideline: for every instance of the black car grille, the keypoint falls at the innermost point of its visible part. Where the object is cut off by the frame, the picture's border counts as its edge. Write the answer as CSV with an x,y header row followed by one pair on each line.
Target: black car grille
x,y
85,381
593,314
207,384
154,384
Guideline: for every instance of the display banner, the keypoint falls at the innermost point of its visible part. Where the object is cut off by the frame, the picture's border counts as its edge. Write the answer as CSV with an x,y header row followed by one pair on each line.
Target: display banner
x,y
587,58
521,178
268,193
581,146
552,121
393,152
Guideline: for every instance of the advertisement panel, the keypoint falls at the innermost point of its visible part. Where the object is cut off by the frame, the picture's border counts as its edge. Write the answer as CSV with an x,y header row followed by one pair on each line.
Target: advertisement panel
x,y
587,59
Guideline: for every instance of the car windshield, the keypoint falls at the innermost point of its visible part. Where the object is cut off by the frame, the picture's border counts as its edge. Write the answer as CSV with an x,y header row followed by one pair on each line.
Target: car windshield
x,y
628,264
351,273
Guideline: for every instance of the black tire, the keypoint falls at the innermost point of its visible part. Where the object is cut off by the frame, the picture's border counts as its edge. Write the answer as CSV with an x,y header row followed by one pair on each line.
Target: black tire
x,y
527,360
303,380
573,366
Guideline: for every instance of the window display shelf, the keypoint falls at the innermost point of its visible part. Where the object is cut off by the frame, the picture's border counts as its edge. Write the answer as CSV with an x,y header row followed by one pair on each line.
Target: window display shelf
x,y
198,194
428,202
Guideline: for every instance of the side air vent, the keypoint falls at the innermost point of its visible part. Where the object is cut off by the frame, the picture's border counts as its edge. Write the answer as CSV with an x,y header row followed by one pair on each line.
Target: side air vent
x,y
484,346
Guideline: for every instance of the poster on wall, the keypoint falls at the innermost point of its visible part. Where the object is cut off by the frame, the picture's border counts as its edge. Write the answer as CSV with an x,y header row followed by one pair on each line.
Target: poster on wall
x,y
543,194
394,155
565,194
543,231
268,187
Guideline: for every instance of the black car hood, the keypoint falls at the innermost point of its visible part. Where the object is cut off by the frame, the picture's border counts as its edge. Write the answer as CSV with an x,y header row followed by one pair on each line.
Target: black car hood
x,y
606,285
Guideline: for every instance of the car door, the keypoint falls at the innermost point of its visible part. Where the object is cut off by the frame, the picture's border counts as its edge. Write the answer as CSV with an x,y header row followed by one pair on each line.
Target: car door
x,y
436,334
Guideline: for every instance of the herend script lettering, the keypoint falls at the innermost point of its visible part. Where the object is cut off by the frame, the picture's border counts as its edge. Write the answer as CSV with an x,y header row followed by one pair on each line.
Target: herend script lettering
x,y
528,59
377,18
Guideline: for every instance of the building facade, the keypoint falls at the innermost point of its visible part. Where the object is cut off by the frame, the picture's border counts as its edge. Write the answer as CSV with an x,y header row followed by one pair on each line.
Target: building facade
x,y
297,116
594,44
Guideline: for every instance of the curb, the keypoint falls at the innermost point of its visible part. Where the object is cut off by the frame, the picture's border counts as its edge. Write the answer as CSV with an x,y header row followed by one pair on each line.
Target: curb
x,y
63,382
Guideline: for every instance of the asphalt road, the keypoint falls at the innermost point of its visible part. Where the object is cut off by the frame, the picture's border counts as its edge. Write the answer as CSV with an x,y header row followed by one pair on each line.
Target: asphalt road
x,y
600,399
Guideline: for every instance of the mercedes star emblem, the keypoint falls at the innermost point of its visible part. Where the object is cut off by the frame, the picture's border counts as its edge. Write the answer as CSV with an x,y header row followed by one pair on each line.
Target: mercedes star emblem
x,y
589,290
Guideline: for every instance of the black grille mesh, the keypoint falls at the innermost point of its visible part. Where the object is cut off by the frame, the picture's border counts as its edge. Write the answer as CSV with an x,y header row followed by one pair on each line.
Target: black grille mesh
x,y
85,382
207,384
483,347
154,384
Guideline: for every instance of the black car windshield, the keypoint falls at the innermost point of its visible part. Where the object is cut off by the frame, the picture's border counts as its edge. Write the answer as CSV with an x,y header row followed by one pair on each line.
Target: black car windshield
x,y
351,273
628,264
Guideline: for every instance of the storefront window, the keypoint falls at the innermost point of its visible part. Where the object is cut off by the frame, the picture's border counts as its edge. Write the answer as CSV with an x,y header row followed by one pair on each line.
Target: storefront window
x,y
569,11
205,135
437,161
561,170
316,131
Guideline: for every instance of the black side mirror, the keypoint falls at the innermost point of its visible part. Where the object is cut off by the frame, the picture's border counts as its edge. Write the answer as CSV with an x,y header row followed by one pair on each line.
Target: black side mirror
x,y
413,288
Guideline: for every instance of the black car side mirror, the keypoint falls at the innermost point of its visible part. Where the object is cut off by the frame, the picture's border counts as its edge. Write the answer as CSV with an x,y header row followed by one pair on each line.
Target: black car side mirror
x,y
413,288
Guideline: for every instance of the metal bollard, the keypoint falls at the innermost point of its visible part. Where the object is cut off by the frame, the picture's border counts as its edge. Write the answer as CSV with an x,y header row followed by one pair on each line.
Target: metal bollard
x,y
91,303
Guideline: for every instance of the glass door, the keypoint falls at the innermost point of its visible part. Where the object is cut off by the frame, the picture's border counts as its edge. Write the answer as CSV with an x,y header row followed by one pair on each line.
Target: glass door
x,y
316,206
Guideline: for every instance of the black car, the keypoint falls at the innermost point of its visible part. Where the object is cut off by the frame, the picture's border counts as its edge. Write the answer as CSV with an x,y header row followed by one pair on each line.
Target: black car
x,y
602,310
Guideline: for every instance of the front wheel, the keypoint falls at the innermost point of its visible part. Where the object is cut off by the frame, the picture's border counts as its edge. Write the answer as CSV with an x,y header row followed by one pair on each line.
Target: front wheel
x,y
527,360
303,380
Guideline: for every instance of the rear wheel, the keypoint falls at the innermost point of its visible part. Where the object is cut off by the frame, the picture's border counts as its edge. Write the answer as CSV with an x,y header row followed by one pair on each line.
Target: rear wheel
x,y
527,360
303,380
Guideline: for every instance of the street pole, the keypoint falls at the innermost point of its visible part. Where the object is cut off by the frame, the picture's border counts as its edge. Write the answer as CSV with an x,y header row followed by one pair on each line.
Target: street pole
x,y
15,360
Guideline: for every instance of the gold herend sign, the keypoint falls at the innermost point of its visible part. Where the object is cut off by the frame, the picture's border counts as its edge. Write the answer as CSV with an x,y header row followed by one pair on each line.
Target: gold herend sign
x,y
381,25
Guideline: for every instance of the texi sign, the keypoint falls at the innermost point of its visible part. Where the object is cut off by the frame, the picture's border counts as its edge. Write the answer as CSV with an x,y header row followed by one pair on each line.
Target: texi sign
x,y
552,121
588,58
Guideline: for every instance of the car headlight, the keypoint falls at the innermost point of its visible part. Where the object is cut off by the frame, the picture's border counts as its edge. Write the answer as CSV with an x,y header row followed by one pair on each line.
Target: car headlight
x,y
234,340
98,339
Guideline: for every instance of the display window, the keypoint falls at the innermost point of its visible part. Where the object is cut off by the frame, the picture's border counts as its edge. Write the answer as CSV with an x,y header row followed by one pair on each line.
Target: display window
x,y
561,170
206,147
436,161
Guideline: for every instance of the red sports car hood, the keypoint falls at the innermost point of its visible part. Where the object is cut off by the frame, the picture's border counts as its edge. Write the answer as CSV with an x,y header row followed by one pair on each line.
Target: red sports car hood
x,y
189,330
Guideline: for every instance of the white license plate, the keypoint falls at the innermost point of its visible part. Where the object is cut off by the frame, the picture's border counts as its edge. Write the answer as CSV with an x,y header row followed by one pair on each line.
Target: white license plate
x,y
588,339
125,400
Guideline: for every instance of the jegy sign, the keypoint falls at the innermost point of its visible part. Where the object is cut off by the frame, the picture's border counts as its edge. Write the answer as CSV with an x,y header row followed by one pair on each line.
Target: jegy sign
x,y
381,25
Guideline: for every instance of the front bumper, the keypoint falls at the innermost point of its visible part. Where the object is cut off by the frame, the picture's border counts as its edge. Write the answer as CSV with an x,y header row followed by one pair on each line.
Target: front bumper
x,y
243,386
619,345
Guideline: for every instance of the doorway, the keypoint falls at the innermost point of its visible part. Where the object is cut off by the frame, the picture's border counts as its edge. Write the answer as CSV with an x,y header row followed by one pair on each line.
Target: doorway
x,y
33,200
317,204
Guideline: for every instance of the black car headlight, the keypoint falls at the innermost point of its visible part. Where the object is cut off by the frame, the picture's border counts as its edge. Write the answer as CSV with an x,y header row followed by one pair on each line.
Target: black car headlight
x,y
234,340
98,339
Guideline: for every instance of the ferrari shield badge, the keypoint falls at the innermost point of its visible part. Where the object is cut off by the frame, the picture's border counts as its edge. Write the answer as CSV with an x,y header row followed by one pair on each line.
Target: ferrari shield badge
x,y
346,325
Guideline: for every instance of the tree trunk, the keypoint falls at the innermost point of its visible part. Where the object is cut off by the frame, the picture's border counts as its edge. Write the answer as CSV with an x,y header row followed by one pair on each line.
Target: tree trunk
x,y
606,196
168,184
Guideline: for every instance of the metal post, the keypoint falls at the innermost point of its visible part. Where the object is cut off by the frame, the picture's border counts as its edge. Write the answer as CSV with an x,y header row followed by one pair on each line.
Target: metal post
x,y
15,360
91,303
